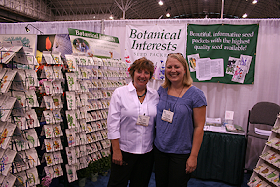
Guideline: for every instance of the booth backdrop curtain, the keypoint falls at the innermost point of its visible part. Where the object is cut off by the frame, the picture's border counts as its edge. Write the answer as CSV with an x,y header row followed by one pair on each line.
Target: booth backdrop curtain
x,y
220,97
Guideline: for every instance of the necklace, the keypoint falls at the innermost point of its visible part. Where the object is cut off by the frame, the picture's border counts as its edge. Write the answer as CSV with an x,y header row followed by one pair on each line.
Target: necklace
x,y
139,96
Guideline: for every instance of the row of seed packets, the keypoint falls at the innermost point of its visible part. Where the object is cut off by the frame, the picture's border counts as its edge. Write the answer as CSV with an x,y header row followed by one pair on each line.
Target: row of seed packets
x,y
271,157
74,60
52,117
268,172
52,102
51,87
17,79
52,72
27,140
27,159
74,84
8,52
26,98
83,138
75,119
51,57
53,171
95,152
27,178
28,121
87,100
274,142
87,72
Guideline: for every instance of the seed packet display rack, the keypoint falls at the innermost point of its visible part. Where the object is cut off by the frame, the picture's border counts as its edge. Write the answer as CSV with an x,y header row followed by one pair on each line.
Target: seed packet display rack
x,y
267,170
90,82
18,100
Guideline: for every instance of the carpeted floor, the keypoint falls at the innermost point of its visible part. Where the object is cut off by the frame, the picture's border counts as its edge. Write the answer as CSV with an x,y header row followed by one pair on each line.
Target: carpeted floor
x,y
103,180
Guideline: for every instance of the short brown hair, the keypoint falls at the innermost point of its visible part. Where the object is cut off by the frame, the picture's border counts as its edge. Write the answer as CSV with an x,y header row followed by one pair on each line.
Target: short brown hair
x,y
187,80
142,64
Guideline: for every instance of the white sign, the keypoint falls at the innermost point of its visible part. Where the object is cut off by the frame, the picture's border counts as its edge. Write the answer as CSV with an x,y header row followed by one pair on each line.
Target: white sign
x,y
155,43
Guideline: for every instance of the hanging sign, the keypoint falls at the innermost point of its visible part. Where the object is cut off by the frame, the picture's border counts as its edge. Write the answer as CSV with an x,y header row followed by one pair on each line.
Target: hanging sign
x,y
94,44
222,53
155,43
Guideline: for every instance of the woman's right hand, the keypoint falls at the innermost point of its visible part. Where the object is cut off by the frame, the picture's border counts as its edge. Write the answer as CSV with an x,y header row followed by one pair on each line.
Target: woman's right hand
x,y
117,157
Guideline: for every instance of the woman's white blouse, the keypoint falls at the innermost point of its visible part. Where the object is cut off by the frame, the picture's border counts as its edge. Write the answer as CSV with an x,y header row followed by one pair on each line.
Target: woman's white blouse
x,y
124,110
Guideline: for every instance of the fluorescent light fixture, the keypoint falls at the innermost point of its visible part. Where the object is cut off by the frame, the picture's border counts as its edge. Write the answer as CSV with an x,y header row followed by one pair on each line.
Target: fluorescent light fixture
x,y
254,2
168,15
160,3
244,15
28,30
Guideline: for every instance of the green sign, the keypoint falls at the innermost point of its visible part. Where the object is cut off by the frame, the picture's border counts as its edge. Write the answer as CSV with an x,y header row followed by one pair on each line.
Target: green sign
x,y
222,53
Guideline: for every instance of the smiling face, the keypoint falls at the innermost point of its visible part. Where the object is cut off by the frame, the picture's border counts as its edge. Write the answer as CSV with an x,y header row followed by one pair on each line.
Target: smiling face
x,y
174,70
141,78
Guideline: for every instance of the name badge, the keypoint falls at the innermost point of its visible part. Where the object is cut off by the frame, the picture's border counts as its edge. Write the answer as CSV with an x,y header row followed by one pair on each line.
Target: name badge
x,y
143,120
167,115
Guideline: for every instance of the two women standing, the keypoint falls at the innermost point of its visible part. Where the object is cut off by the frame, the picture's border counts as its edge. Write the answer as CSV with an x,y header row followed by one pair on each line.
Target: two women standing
x,y
178,110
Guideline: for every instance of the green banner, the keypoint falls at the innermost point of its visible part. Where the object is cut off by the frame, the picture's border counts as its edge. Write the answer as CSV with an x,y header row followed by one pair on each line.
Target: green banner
x,y
222,53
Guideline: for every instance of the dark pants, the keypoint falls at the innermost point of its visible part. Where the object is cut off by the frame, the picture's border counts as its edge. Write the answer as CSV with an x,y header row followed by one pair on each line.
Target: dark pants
x,y
138,170
170,169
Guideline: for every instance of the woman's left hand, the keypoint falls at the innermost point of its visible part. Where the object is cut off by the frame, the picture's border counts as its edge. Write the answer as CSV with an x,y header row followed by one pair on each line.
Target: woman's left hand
x,y
191,164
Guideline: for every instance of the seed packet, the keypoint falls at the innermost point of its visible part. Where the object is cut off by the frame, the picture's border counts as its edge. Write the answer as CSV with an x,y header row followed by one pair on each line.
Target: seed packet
x,y
266,170
47,72
32,156
72,66
7,158
57,87
21,178
20,97
57,58
6,134
57,116
48,129
48,117
48,87
31,78
272,141
71,137
32,175
49,159
49,145
71,156
57,130
6,107
94,157
57,145
83,124
9,180
71,100
71,173
71,119
57,171
49,171
31,98
99,125
89,117
71,81
31,118
89,139
32,138
57,157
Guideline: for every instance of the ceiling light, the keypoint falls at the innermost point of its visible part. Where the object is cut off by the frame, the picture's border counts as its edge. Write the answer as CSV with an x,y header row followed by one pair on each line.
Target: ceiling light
x,y
160,3
27,29
111,17
168,15
254,2
244,15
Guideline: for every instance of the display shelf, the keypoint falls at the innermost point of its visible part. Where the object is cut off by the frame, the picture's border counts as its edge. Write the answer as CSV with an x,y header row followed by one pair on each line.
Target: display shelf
x,y
267,170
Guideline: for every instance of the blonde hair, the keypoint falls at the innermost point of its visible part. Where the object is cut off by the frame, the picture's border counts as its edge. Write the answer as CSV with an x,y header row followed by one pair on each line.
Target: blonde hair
x,y
187,80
